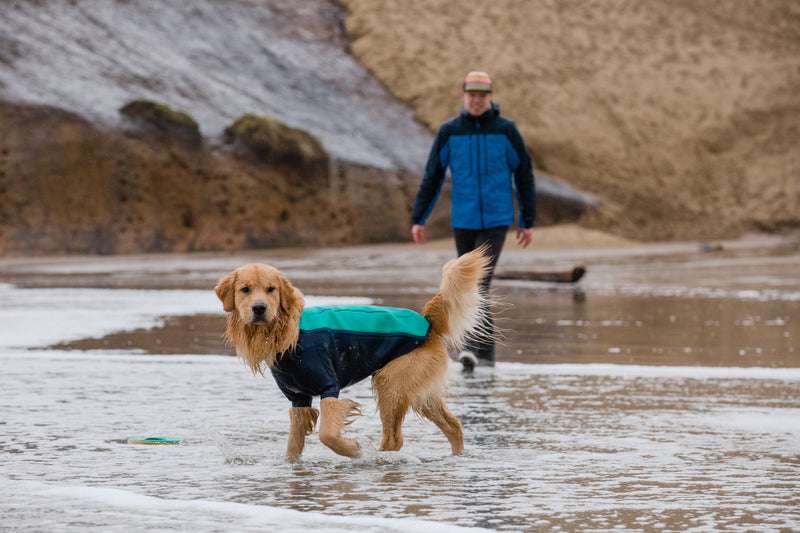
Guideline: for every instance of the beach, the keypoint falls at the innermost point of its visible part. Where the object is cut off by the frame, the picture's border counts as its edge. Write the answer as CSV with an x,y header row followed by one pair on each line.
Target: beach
x,y
663,398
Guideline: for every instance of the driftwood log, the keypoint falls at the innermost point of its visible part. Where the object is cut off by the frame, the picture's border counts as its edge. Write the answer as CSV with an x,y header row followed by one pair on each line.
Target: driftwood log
x,y
562,275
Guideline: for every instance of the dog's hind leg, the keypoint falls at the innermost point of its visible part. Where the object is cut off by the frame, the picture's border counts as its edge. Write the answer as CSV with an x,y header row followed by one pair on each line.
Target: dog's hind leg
x,y
405,381
335,415
393,412
392,395
435,410
302,420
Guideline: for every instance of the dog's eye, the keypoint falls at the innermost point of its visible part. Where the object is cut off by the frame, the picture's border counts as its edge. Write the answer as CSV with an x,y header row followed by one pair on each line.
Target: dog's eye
x,y
271,289
245,289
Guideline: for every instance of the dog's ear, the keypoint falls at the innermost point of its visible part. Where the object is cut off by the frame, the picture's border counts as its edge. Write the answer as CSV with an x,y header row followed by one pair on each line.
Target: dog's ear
x,y
291,299
225,290
291,304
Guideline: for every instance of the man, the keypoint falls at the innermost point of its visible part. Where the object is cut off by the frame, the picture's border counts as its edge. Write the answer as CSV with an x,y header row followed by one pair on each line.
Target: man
x,y
488,162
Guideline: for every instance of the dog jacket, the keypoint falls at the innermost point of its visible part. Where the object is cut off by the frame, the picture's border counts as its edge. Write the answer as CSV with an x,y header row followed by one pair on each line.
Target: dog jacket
x,y
340,346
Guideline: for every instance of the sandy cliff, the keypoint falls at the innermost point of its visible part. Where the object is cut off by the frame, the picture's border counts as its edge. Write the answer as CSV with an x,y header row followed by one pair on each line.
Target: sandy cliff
x,y
682,117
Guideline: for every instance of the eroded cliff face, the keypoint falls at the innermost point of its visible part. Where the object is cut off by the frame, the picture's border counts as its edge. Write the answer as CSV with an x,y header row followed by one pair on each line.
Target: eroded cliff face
x,y
71,186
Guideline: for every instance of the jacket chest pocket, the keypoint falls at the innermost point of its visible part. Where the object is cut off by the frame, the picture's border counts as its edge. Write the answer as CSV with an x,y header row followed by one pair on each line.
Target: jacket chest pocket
x,y
495,155
462,155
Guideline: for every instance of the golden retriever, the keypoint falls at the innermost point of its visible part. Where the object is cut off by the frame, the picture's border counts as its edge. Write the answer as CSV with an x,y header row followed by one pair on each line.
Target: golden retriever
x,y
263,324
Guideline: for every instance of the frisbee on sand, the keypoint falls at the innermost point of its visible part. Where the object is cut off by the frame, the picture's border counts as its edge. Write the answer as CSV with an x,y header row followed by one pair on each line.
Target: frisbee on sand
x,y
153,440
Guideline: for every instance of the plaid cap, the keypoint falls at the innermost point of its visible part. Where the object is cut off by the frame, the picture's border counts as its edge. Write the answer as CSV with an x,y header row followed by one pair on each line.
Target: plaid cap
x,y
478,81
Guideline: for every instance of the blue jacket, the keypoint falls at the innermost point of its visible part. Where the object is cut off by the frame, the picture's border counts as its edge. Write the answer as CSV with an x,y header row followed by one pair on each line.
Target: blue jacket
x,y
340,346
484,153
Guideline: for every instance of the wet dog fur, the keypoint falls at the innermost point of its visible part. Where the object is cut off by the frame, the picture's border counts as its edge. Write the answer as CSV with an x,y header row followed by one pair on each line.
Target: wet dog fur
x,y
263,313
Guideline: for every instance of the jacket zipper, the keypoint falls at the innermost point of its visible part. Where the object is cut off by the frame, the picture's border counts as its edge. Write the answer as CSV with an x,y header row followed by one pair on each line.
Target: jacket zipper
x,y
478,171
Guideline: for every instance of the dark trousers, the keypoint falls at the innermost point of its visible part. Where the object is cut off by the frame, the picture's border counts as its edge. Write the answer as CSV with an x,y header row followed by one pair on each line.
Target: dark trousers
x,y
466,241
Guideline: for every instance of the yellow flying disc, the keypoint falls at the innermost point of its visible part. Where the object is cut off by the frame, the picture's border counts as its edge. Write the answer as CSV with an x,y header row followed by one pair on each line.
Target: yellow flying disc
x,y
153,440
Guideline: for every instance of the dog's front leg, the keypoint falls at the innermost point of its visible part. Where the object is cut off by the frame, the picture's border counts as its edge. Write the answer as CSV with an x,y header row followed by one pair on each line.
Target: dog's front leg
x,y
302,422
335,414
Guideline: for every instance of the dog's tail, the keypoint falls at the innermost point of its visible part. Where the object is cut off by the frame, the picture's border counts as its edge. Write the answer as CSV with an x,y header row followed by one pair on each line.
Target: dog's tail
x,y
457,310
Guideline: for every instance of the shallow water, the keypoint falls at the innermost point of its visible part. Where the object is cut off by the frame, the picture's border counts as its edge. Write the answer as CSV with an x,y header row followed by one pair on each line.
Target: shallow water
x,y
665,398
571,447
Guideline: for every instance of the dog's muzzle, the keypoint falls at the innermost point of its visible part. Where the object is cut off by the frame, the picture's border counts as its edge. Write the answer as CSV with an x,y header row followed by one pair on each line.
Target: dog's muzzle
x,y
259,312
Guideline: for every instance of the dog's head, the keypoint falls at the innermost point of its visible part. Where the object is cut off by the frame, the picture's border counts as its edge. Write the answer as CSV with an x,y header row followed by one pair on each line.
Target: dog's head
x,y
263,309
257,293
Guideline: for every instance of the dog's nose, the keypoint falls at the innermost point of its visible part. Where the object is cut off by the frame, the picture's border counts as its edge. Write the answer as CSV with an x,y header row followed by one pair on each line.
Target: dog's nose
x,y
259,308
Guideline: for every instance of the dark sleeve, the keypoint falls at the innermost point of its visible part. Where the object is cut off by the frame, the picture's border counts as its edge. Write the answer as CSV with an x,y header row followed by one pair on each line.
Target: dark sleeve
x,y
296,397
432,180
298,400
300,378
524,181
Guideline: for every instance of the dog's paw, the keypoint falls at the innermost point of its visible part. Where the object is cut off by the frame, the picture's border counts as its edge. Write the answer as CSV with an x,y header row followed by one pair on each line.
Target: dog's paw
x,y
368,451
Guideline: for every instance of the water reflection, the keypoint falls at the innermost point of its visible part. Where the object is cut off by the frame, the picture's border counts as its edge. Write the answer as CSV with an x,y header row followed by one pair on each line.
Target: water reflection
x,y
549,327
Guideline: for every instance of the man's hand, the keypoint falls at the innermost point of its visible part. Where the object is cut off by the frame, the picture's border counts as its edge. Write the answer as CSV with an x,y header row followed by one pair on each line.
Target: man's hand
x,y
524,236
418,232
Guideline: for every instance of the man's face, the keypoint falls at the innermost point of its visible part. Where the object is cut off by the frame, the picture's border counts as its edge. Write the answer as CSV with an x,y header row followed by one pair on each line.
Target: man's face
x,y
476,102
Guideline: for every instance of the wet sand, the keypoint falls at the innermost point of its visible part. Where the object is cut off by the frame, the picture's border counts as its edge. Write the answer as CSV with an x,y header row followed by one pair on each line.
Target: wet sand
x,y
727,303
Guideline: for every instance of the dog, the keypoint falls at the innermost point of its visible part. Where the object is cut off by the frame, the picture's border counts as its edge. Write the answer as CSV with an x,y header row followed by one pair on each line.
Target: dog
x,y
317,351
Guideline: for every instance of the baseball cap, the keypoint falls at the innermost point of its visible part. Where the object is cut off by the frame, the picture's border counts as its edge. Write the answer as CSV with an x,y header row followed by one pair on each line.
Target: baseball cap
x,y
478,81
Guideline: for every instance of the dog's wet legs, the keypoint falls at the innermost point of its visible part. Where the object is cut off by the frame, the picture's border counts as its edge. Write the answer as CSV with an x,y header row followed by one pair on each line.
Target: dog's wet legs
x,y
392,415
437,412
335,415
302,422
